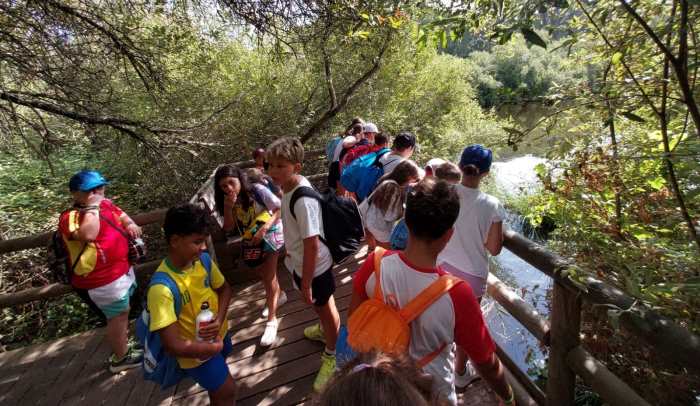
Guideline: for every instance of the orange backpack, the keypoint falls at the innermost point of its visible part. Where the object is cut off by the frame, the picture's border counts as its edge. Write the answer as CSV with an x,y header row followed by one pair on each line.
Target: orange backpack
x,y
376,325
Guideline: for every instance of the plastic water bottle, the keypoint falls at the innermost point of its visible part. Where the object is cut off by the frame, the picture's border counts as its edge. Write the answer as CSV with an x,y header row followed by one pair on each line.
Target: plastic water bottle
x,y
204,317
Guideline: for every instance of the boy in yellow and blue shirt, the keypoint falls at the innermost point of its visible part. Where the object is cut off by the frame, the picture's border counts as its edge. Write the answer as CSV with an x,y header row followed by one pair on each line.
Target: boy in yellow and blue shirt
x,y
185,230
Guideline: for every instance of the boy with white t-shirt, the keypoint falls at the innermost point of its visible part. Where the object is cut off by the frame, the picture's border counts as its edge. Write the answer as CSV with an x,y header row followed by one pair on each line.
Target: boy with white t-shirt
x,y
431,210
308,258
478,233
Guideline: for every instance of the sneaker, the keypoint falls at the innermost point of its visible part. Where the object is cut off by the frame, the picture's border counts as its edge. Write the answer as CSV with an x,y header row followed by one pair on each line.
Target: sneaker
x,y
315,333
326,371
470,375
281,299
270,333
132,359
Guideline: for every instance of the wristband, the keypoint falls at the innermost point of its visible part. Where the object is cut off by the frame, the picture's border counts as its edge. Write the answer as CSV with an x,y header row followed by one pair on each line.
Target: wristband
x,y
511,398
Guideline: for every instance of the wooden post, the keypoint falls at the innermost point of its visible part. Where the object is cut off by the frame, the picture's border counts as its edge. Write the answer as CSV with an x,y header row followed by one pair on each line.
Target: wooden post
x,y
564,336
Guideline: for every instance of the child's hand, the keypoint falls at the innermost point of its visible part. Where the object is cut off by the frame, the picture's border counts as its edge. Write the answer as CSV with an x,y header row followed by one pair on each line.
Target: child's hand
x,y
210,331
94,199
259,235
134,230
306,293
230,199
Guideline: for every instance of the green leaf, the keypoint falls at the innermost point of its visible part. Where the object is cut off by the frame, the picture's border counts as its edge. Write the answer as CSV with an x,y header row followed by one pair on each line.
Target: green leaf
x,y
657,183
631,116
533,38
616,58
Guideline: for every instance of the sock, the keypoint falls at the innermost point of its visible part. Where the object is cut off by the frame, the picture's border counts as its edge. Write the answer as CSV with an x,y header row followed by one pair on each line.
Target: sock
x,y
330,352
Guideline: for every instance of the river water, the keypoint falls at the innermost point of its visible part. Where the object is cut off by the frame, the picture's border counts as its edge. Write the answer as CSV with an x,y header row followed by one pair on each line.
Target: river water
x,y
516,177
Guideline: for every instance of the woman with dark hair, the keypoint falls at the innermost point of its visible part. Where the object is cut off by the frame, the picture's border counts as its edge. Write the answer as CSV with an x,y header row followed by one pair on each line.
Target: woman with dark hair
x,y
254,211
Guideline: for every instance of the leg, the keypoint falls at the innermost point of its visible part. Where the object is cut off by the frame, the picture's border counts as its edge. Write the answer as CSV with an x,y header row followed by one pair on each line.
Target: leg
x,y
117,333
225,395
330,322
268,274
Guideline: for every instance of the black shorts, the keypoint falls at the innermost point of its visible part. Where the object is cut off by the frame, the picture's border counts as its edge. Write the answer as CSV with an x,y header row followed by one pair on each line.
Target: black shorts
x,y
322,286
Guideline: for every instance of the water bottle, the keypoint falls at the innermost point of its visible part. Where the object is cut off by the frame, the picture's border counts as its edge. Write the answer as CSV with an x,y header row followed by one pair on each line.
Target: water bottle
x,y
204,317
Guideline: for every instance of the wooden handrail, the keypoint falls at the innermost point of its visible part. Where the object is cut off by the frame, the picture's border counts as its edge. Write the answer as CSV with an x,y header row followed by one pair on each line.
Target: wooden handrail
x,y
56,289
518,308
675,342
41,240
613,390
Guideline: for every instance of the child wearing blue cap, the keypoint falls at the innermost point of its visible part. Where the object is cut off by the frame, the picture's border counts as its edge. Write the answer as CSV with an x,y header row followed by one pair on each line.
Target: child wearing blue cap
x,y
478,233
95,233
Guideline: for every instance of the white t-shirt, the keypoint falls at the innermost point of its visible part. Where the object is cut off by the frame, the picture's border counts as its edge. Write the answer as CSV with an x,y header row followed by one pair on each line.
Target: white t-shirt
x,y
455,317
390,161
465,250
381,223
339,147
308,223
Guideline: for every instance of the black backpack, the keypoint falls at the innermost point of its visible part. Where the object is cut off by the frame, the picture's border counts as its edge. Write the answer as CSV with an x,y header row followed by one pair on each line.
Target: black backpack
x,y
342,224
59,259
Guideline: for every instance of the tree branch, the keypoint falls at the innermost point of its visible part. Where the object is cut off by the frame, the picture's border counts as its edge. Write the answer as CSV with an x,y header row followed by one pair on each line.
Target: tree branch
x,y
332,112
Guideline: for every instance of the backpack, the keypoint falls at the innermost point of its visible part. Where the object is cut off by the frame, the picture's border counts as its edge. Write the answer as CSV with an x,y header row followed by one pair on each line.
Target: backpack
x,y
58,258
399,236
356,152
270,185
159,366
331,146
377,326
342,224
362,175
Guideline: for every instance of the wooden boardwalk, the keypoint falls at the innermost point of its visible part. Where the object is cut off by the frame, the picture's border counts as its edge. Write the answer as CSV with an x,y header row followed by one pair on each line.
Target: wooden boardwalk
x,y
72,370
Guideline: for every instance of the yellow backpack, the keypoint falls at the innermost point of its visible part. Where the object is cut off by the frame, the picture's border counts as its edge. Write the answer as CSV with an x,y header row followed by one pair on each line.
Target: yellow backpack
x,y
376,325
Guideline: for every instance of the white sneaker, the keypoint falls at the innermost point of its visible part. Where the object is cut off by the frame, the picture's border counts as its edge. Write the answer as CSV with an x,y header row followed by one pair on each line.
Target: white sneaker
x,y
470,375
281,299
270,333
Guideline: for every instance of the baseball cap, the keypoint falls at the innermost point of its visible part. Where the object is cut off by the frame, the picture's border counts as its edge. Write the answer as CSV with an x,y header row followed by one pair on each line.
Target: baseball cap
x,y
370,128
476,155
85,181
434,163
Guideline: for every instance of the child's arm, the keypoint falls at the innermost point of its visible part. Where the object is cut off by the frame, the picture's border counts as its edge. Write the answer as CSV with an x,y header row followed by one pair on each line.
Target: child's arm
x,y
211,330
89,225
494,240
176,346
260,234
130,225
308,267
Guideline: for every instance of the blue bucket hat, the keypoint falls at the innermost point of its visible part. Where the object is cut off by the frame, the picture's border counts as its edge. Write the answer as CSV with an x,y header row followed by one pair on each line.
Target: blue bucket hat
x,y
476,155
85,181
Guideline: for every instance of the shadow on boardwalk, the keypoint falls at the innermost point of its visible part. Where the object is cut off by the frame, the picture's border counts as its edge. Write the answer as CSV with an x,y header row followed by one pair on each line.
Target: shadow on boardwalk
x,y
72,370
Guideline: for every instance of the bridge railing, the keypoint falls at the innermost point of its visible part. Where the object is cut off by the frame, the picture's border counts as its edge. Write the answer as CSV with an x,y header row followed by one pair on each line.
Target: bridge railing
x,y
561,332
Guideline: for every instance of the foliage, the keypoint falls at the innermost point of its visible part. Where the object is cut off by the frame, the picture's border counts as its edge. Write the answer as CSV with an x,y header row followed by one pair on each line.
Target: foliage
x,y
515,72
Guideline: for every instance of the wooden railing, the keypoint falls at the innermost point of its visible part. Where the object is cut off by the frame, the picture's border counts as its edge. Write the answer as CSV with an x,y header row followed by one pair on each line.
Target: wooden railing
x,y
561,333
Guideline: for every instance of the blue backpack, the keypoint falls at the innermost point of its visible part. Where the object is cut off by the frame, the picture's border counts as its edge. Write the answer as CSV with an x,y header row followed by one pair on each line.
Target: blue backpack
x,y
399,236
363,173
158,366
331,146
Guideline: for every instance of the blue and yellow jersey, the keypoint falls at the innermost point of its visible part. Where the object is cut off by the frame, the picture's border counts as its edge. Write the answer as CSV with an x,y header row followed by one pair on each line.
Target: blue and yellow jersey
x,y
194,290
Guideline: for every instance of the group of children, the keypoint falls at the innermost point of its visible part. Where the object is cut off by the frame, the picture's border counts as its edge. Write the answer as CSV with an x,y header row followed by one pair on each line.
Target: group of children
x,y
452,227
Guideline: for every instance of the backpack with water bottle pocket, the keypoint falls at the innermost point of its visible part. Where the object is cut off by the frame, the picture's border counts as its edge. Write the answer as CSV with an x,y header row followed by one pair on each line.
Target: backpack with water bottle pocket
x,y
375,325
159,366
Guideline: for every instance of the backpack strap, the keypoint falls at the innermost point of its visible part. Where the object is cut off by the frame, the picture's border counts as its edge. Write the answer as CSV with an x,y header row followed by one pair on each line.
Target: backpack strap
x,y
378,255
162,278
428,296
306,191
379,156
302,191
205,258
430,357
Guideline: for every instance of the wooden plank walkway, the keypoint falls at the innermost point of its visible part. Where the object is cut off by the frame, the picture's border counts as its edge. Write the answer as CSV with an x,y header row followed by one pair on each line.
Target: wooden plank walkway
x,y
72,370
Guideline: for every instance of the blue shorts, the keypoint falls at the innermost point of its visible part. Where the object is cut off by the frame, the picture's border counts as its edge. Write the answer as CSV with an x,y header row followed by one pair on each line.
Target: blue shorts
x,y
213,373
